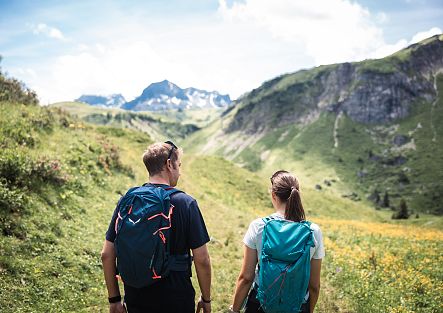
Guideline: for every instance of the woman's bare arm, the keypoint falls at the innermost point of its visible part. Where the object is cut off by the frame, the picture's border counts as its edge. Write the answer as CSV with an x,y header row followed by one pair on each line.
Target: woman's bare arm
x,y
314,283
246,277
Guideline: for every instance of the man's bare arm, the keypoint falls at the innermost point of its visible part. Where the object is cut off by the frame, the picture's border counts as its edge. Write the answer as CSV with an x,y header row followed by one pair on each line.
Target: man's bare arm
x,y
202,264
109,268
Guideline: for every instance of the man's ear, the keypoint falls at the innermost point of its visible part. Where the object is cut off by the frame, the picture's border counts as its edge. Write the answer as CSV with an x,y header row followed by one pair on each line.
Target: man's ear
x,y
168,164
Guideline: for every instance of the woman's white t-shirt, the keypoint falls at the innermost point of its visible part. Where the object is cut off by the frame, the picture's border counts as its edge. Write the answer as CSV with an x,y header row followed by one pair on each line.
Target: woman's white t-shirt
x,y
253,239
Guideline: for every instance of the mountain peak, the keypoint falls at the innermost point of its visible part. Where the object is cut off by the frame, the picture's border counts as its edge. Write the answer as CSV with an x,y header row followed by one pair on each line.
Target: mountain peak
x,y
114,100
163,88
165,95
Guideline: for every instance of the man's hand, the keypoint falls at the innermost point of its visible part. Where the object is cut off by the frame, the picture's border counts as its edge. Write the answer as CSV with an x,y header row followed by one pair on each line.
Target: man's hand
x,y
117,308
206,307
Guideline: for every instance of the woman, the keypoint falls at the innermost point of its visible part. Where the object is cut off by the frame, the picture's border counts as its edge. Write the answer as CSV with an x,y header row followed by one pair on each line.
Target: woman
x,y
287,203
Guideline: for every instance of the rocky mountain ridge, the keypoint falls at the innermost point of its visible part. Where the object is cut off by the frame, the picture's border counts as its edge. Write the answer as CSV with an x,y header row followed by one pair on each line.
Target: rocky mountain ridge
x,y
371,92
161,96
111,101
373,126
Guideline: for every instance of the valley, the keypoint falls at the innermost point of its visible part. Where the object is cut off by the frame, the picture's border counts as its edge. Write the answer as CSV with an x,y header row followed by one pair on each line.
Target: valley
x,y
63,167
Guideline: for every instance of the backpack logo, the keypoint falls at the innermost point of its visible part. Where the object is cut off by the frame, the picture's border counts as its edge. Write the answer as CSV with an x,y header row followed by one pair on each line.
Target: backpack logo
x,y
133,221
142,244
284,265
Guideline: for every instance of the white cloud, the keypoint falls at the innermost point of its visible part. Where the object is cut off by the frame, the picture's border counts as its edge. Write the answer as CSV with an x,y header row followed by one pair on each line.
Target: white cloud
x,y
389,49
426,34
125,68
51,32
26,72
382,17
232,51
330,30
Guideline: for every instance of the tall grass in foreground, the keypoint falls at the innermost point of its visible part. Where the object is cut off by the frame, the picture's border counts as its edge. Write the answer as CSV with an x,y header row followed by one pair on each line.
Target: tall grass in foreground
x,y
370,266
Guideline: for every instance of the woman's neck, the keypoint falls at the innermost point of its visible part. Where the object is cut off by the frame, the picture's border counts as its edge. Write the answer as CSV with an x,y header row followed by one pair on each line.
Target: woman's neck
x,y
280,208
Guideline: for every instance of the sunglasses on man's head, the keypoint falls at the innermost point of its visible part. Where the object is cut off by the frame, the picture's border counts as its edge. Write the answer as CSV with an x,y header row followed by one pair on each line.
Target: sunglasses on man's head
x,y
173,146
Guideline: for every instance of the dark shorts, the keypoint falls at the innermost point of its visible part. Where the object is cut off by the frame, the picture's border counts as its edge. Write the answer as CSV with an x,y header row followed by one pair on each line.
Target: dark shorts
x,y
253,305
172,295
185,305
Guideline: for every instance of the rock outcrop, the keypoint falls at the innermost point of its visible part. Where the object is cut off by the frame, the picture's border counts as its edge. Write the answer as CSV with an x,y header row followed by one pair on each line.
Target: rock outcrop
x,y
371,91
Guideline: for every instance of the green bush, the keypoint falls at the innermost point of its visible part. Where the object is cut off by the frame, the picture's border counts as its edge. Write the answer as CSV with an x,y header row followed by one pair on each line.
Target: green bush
x,y
17,135
402,213
48,171
12,90
11,200
43,119
18,169
109,159
15,167
12,205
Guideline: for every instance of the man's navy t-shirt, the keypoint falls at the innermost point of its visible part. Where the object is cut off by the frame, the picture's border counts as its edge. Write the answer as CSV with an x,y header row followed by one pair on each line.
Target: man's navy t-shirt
x,y
188,232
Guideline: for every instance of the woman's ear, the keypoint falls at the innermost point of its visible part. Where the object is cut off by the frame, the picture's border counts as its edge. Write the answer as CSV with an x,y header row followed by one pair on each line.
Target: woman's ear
x,y
273,196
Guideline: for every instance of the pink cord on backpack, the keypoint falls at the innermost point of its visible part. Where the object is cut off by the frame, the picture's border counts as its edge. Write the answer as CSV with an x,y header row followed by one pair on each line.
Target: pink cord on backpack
x,y
116,222
171,210
155,274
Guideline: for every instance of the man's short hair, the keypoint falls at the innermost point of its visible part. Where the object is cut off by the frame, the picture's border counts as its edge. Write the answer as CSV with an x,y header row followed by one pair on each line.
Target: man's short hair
x,y
156,155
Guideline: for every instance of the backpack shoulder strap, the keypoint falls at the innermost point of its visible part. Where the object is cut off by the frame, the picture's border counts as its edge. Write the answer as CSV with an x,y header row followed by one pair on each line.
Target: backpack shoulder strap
x,y
171,190
123,200
268,218
311,238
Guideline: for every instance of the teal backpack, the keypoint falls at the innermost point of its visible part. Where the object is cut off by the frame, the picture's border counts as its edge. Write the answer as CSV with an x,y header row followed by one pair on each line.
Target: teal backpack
x,y
285,265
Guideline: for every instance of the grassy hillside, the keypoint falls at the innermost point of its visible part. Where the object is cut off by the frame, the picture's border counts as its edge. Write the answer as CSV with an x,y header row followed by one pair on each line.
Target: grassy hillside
x,y
59,181
402,160
61,178
161,125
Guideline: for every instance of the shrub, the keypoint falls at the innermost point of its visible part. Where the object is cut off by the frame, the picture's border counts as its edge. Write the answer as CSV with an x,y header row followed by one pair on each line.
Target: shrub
x,y
48,171
15,168
112,131
12,204
11,200
12,227
109,158
42,120
17,135
402,211
386,201
12,90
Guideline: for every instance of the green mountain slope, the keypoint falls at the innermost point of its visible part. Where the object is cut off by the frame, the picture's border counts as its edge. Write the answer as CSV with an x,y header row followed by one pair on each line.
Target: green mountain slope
x,y
161,125
322,124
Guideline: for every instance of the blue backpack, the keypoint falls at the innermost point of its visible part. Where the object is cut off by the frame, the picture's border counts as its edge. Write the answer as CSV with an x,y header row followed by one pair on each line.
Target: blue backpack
x,y
285,265
142,229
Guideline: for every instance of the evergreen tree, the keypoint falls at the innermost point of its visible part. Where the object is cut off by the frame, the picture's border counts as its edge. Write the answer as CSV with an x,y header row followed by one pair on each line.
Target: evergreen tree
x,y
386,203
402,211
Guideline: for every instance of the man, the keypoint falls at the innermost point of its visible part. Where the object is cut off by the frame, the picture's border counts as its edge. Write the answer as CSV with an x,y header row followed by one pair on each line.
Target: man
x,y
174,293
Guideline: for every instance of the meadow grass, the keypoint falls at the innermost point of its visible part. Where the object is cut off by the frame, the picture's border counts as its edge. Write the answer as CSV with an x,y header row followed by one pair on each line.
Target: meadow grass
x,y
53,265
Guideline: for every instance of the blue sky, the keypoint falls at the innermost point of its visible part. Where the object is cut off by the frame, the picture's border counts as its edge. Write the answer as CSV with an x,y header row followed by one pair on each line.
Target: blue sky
x,y
63,49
